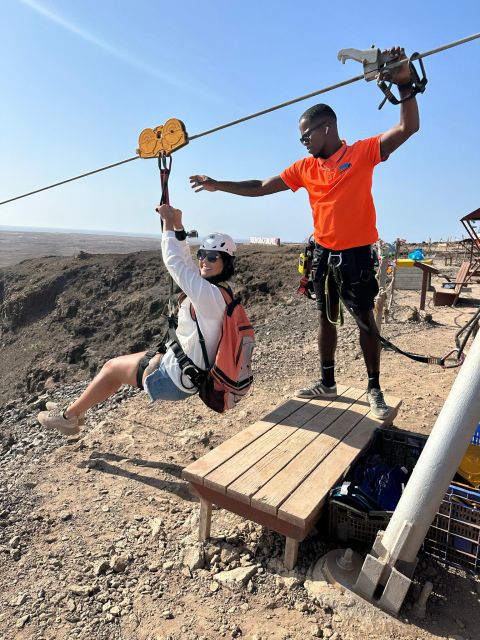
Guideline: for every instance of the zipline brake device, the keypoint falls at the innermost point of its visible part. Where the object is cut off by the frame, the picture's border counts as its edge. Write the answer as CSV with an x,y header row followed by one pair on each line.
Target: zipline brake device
x,y
378,65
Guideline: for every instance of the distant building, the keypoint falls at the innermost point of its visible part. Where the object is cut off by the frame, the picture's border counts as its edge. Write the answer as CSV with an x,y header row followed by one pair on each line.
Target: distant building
x,y
274,241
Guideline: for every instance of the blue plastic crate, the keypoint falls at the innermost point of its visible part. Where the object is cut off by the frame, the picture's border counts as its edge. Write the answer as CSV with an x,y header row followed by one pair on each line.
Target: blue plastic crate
x,y
454,535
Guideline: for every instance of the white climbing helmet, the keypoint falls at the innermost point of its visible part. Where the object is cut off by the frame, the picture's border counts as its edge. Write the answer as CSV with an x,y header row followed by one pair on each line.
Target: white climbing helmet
x,y
219,242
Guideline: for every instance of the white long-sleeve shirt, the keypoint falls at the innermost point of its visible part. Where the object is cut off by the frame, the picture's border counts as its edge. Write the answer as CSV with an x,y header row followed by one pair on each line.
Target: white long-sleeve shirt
x,y
209,306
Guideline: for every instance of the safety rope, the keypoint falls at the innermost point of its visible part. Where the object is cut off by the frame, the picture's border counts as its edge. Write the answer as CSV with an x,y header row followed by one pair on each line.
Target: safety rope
x,y
469,328
165,166
339,320
331,87
333,270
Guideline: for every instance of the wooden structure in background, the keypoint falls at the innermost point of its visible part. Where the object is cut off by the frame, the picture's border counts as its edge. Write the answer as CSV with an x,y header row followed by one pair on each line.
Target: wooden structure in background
x,y
449,297
470,222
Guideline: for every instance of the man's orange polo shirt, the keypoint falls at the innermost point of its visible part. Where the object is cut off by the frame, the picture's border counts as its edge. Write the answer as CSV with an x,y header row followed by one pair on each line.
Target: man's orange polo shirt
x,y
340,193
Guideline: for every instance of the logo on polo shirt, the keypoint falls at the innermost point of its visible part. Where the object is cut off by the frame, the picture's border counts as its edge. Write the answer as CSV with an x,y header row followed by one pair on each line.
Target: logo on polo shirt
x,y
344,166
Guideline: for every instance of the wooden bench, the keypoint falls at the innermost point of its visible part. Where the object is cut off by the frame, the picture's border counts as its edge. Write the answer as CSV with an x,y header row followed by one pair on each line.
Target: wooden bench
x,y
278,472
449,297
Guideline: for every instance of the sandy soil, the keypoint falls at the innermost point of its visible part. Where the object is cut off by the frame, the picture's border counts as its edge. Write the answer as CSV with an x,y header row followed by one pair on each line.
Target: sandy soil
x,y
98,534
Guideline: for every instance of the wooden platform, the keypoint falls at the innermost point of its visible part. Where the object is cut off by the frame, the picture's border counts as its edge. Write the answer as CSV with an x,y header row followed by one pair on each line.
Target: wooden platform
x,y
278,472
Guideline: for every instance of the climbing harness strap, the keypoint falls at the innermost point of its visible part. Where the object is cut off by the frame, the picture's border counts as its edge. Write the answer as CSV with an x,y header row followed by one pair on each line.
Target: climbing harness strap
x,y
416,85
196,375
333,271
165,166
143,364
461,339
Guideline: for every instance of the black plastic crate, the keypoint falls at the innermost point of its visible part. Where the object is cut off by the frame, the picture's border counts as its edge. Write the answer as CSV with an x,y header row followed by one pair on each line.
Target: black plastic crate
x,y
454,535
348,524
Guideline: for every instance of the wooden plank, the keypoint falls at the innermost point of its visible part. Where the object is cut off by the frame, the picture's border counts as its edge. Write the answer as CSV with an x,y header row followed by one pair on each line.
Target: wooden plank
x,y
267,468
305,503
225,474
196,471
278,489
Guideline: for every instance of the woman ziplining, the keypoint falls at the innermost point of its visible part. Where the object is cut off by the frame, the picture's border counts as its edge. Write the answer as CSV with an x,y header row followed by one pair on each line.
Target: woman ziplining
x,y
161,374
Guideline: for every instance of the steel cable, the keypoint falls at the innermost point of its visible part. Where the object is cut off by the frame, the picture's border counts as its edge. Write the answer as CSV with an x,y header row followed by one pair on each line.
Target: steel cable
x,y
332,87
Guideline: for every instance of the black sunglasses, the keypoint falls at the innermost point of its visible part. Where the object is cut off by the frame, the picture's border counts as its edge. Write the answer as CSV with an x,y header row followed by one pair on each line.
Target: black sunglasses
x,y
308,133
211,256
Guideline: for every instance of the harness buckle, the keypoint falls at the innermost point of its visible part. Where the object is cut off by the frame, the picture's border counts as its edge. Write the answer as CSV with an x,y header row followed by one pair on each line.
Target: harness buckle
x,y
334,260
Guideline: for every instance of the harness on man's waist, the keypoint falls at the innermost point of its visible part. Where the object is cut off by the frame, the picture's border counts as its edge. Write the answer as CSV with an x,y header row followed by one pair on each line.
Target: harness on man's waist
x,y
333,271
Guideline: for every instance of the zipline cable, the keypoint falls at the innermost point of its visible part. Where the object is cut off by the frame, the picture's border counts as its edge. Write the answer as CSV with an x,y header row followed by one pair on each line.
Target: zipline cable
x,y
332,87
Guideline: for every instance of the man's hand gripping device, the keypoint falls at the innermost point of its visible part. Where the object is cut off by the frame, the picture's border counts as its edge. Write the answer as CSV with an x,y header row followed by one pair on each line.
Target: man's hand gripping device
x,y
378,65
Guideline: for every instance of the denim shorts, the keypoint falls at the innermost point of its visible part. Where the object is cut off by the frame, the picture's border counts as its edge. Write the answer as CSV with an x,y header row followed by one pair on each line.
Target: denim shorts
x,y
159,386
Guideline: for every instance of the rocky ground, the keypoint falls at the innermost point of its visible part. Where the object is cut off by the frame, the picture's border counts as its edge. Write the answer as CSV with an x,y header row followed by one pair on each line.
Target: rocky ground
x,y
98,534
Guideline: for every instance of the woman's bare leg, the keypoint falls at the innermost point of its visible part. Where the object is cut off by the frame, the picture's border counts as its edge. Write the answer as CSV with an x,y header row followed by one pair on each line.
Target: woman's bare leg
x,y
114,373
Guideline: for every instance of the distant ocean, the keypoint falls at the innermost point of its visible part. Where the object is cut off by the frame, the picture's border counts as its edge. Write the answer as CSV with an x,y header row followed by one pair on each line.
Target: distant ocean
x,y
95,232
90,232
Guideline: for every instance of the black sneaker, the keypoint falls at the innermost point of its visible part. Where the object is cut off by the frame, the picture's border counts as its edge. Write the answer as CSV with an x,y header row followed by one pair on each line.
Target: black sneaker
x,y
318,390
378,406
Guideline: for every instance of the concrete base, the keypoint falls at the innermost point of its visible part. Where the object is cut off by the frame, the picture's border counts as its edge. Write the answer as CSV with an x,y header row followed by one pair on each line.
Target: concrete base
x,y
369,577
341,567
344,569
395,591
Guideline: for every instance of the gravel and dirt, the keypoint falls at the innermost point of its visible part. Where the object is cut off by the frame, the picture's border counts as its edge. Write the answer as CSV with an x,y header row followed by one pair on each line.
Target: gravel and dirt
x,y
98,533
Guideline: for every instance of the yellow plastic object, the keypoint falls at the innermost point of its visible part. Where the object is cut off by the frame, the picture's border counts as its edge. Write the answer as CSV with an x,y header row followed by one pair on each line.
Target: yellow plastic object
x,y
469,467
406,262
163,139
303,264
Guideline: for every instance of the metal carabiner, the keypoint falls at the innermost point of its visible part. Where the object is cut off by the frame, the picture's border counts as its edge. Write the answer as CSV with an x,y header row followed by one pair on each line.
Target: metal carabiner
x,y
456,363
335,256
164,161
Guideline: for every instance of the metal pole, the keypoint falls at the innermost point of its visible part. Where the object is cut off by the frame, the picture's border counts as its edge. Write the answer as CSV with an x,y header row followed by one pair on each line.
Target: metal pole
x,y
439,460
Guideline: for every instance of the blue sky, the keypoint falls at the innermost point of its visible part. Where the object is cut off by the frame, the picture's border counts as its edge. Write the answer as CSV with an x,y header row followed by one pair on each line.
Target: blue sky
x,y
82,79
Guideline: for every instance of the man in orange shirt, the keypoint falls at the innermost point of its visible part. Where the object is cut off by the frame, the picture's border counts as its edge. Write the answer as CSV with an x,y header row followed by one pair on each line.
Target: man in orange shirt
x,y
338,178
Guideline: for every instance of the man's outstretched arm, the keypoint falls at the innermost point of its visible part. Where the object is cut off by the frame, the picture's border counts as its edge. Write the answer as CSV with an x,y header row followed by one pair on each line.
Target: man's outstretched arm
x,y
409,118
250,188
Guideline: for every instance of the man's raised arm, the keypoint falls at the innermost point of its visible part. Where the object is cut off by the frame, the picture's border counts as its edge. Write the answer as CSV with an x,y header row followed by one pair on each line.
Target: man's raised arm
x,y
251,188
409,118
